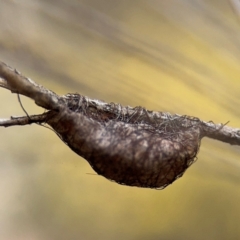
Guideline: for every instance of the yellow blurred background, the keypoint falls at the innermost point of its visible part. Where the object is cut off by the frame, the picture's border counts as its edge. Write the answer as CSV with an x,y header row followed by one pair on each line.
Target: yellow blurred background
x,y
166,55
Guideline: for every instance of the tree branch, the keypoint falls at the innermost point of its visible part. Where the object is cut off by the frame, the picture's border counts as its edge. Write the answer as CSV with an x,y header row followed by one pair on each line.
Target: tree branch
x,y
12,79
21,121
221,132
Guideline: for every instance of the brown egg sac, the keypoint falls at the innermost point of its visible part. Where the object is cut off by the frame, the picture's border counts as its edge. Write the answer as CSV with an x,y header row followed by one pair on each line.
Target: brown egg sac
x,y
130,146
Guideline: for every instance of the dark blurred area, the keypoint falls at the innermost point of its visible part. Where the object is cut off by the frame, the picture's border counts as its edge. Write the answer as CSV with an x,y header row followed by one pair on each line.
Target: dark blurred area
x,y
166,55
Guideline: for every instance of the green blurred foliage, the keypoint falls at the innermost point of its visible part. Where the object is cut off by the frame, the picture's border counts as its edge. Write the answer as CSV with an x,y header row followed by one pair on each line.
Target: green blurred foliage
x,y
176,56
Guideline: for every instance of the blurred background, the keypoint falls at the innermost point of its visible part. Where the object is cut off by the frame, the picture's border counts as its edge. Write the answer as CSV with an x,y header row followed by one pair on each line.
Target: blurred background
x,y
166,55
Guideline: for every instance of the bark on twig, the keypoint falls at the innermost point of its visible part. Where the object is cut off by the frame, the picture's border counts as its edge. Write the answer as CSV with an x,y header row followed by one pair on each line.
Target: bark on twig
x,y
16,83
131,146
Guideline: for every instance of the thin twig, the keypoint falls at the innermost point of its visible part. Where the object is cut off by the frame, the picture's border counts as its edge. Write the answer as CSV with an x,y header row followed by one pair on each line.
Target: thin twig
x,y
21,121
12,79
221,132
20,102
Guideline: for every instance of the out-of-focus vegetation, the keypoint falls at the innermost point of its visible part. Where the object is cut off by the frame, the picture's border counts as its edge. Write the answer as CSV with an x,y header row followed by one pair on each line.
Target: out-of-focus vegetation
x,y
166,55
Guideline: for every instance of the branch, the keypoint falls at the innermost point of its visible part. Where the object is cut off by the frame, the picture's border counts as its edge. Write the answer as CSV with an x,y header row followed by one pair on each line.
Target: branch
x,y
221,132
131,146
21,121
12,80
